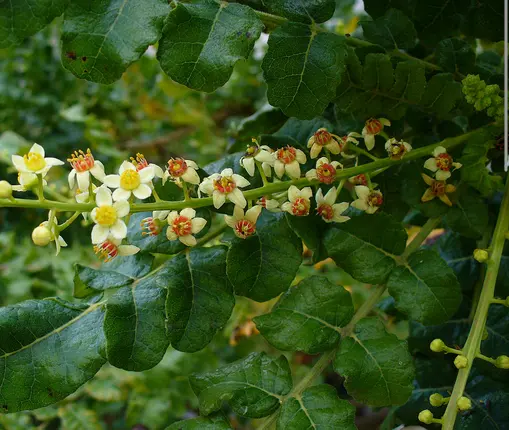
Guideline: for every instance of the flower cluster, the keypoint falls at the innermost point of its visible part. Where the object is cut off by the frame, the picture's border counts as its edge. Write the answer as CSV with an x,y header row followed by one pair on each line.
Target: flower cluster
x,y
483,96
109,198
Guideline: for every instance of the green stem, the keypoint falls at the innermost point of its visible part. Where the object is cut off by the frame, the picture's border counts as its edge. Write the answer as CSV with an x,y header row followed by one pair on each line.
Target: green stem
x,y
253,194
472,347
356,149
262,173
420,237
66,224
186,191
40,188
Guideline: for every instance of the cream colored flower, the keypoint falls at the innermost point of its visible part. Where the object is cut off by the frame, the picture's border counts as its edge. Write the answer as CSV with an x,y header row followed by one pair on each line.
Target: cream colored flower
x,y
272,205
83,165
325,170
437,189
322,138
262,154
298,203
373,127
397,149
184,225
368,200
180,169
130,181
343,144
107,217
328,209
140,162
33,163
225,185
441,163
111,248
244,225
288,160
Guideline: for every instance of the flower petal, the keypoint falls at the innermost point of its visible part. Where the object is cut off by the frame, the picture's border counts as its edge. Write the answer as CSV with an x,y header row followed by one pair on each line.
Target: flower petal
x,y
126,165
306,192
37,149
103,197
428,195
293,169
293,193
121,194
119,230
359,204
264,157
197,224
319,197
170,234
279,168
362,191
71,178
300,156
439,150
240,181
143,191
442,175
188,213
112,181
230,221
157,171
19,163
146,174
188,240
237,198
218,199
249,164
315,151
369,141
50,161
287,207
311,174
191,176
384,121
227,172
330,197
339,208
431,164
122,208
126,250
333,147
253,213
83,180
99,234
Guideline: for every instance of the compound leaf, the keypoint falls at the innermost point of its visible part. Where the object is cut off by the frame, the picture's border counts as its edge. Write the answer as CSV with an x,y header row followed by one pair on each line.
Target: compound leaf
x,y
302,69
377,365
307,317
252,386
317,407
202,42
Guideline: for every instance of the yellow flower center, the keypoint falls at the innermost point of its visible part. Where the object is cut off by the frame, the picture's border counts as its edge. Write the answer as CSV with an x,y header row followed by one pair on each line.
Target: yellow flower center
x,y
130,180
34,161
106,215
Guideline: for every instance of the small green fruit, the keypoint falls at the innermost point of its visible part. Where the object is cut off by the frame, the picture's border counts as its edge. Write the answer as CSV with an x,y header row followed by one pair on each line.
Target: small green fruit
x,y
426,416
502,362
41,236
464,403
436,400
437,345
461,362
5,190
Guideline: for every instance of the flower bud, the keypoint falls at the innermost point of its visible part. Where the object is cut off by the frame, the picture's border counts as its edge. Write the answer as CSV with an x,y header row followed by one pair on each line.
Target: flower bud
x,y
41,235
485,334
5,190
436,400
461,362
437,345
481,255
464,403
426,416
502,362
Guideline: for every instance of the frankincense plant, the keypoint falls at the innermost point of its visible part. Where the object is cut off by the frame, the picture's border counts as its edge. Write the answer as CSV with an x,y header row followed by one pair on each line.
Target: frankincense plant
x,y
402,127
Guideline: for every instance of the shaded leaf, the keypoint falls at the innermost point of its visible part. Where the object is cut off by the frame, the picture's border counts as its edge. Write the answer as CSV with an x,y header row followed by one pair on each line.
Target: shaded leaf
x,y
302,10
307,317
455,55
216,422
392,31
441,94
252,386
78,417
202,42
469,215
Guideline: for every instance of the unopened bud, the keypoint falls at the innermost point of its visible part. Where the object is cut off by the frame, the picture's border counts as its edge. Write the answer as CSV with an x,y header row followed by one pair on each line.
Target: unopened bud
x,y
41,235
426,416
481,255
502,362
461,362
436,400
464,403
485,334
437,345
5,190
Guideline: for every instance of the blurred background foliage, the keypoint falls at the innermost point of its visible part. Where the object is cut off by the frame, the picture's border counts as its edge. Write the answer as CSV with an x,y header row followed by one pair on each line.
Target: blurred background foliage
x,y
143,112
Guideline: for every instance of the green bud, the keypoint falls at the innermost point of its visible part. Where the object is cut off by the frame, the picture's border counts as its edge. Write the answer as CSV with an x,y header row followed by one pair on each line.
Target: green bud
x,y
426,416
485,334
481,255
5,190
502,362
41,236
437,345
436,400
464,403
461,362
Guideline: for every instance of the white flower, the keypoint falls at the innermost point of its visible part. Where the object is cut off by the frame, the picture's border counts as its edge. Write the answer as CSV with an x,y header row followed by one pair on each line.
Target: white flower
x,y
111,248
288,159
441,163
397,149
272,205
244,225
373,127
350,137
322,138
131,181
184,225
140,162
325,171
262,154
327,209
83,165
107,217
180,169
298,203
27,181
225,185
368,200
34,163
153,225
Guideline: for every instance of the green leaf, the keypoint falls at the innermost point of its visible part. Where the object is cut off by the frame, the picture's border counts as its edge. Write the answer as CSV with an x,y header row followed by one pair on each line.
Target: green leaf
x,y
202,42
377,8
19,20
302,10
469,216
436,19
392,31
367,246
426,289
375,88
307,317
200,297
78,417
102,38
216,422
377,365
264,265
135,324
441,94
302,69
455,55
49,349
474,160
252,386
317,407
120,272
485,20
310,229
